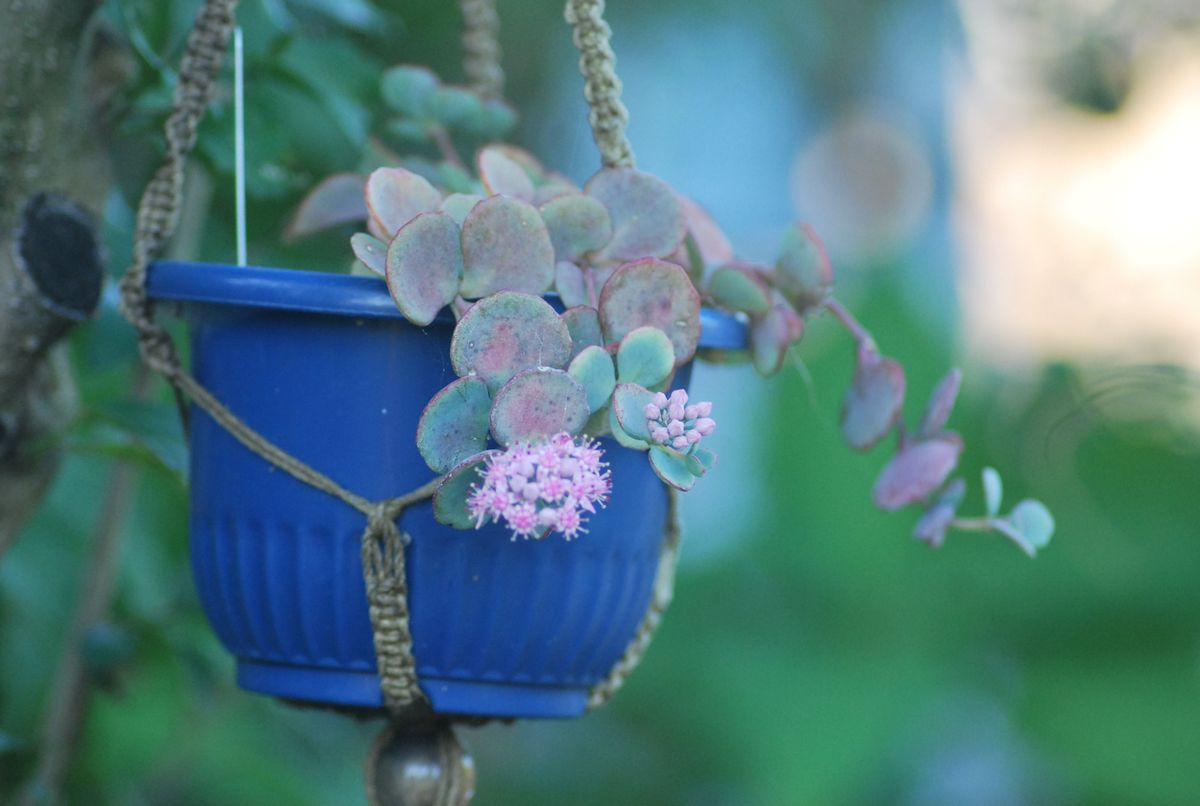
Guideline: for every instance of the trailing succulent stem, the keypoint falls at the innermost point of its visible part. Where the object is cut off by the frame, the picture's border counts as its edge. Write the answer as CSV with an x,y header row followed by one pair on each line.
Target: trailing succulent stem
x,y
631,262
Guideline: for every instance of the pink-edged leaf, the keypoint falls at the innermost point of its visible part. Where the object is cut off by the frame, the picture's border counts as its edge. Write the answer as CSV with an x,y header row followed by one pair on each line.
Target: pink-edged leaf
x,y
672,468
501,174
873,402
506,247
711,241
628,405
740,288
772,335
583,323
370,251
803,273
577,223
396,196
506,333
941,403
570,284
655,293
450,500
917,471
537,404
454,424
647,219
424,265
337,199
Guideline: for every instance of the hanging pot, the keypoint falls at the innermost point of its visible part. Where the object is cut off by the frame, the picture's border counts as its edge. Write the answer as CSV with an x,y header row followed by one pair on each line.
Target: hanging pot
x,y
325,367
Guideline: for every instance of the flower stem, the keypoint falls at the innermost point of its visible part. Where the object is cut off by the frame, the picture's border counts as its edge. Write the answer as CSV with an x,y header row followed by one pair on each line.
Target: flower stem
x,y
861,334
446,146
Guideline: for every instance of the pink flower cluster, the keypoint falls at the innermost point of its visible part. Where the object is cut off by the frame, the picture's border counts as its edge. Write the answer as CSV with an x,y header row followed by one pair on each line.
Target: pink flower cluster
x,y
539,488
672,422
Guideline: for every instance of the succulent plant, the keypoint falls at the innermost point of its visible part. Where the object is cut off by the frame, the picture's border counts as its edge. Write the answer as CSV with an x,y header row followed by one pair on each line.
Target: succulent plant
x,y
631,262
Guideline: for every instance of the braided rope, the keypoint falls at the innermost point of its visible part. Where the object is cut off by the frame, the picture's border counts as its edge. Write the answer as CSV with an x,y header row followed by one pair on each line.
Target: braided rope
x,y
481,47
601,87
664,591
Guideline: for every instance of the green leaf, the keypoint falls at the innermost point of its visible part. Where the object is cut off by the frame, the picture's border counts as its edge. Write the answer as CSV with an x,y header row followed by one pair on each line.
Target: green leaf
x,y
672,467
803,273
621,436
450,500
738,288
396,196
593,368
454,424
335,200
1033,522
629,402
645,357
993,491
406,88
583,323
646,217
578,224
501,174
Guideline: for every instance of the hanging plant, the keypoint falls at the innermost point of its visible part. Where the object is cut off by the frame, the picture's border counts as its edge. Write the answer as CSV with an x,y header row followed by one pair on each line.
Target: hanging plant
x,y
520,372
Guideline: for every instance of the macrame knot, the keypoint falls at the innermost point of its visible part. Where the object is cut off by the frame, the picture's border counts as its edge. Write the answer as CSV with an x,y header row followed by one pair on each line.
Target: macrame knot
x,y
387,603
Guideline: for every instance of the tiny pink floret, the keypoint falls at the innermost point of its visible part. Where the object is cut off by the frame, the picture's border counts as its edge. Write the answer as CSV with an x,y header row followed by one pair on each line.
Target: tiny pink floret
x,y
535,489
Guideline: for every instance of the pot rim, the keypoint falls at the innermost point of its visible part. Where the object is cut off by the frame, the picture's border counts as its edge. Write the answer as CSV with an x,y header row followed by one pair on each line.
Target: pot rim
x,y
339,295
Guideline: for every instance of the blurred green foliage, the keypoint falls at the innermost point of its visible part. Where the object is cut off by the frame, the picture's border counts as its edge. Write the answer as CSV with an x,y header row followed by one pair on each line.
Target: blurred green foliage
x,y
816,655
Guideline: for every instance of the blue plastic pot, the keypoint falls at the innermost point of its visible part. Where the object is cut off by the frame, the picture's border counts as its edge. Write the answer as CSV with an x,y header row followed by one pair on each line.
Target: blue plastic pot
x,y
324,366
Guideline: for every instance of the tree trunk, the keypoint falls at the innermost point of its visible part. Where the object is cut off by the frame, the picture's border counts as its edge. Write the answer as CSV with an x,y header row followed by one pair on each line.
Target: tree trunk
x,y
57,73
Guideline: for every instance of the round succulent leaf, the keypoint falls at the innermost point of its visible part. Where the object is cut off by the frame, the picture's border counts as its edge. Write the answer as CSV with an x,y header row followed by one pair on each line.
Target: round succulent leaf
x,y
647,219
706,458
570,283
672,467
933,523
450,499
537,404
593,369
506,333
628,405
655,293
624,439
454,424
370,251
553,185
941,403
505,247
396,196
645,357
406,88
411,132
424,265
803,273
873,402
1033,521
456,108
993,491
337,199
738,288
597,424
499,119
458,205
711,242
917,471
577,223
521,157
583,323
501,174
772,335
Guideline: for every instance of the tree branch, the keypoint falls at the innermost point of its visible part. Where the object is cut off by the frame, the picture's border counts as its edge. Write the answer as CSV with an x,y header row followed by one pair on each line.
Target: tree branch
x,y
53,166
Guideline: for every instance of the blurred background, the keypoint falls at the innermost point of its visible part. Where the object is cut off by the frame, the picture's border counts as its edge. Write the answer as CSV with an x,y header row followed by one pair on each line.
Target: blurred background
x,y
1007,186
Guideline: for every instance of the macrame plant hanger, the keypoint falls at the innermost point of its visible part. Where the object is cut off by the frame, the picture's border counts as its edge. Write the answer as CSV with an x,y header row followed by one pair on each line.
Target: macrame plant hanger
x,y
416,734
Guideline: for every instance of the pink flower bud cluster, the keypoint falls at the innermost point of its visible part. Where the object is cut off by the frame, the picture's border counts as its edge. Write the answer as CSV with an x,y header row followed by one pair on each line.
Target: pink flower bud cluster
x,y
539,488
674,423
